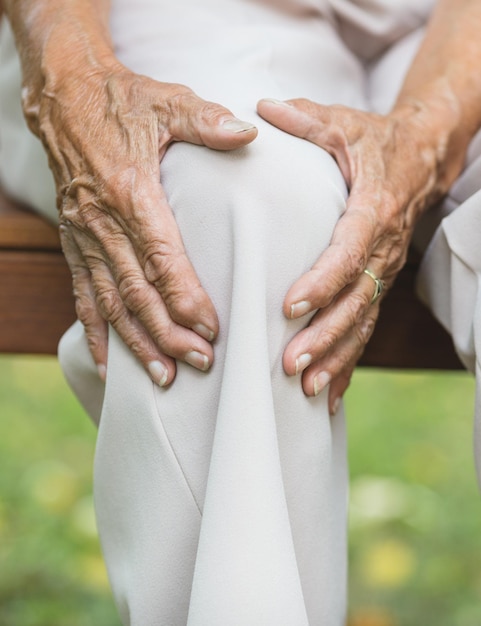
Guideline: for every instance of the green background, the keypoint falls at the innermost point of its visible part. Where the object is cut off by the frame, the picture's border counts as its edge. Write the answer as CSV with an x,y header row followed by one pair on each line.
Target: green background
x,y
415,522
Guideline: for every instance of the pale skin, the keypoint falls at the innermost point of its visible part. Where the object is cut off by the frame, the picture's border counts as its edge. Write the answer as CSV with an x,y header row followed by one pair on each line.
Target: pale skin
x,y
119,236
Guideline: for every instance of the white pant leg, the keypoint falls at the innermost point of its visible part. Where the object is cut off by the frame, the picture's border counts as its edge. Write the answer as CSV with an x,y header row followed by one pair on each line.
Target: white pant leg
x,y
242,445
222,500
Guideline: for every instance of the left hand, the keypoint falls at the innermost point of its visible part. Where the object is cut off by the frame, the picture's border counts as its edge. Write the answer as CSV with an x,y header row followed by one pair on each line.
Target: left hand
x,y
391,167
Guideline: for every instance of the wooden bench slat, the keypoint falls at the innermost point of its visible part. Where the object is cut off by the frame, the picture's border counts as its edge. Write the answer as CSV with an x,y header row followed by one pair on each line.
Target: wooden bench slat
x,y
407,335
22,229
36,302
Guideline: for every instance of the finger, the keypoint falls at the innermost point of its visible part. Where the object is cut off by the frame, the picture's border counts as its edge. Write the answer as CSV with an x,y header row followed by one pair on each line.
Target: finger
x,y
146,239
123,296
95,326
328,327
338,387
295,116
334,128
346,353
160,366
325,125
339,265
206,123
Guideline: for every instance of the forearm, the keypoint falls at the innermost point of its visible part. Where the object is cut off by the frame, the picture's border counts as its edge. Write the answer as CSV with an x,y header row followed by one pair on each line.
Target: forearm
x,y
443,83
57,39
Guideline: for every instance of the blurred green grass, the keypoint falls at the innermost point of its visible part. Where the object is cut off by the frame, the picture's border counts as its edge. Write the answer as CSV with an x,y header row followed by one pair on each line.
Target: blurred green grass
x,y
51,571
415,521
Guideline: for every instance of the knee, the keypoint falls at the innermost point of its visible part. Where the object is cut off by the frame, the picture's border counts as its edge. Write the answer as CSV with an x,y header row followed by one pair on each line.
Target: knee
x,y
80,370
282,188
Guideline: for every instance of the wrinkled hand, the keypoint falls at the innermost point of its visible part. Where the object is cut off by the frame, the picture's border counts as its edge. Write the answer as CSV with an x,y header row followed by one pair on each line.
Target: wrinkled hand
x,y
391,173
105,136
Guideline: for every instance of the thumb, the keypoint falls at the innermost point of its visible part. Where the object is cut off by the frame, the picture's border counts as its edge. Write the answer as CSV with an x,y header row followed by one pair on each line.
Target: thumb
x,y
331,127
206,123
302,118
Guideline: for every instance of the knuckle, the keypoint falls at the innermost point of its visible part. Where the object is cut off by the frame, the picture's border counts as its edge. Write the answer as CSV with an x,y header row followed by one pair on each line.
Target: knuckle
x,y
89,216
178,91
355,261
135,344
31,109
67,208
85,309
210,112
86,216
119,183
345,377
162,265
127,189
359,302
364,330
328,339
343,359
132,291
180,100
96,339
390,206
307,105
163,336
110,304
185,306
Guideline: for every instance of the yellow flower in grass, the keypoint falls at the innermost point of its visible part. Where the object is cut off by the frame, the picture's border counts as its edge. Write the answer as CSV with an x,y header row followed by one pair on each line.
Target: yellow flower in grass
x,y
83,517
388,564
93,572
372,616
54,485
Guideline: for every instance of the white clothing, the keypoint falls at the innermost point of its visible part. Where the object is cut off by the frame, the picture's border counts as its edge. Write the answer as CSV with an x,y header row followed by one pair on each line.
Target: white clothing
x,y
221,501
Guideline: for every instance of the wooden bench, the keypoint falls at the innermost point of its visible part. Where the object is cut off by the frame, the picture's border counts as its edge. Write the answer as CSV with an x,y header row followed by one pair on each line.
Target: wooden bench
x,y
36,303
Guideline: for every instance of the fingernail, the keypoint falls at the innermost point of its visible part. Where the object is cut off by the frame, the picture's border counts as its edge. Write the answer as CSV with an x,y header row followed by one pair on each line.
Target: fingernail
x,y
237,126
198,360
203,331
320,382
335,406
280,102
102,370
302,362
300,308
158,372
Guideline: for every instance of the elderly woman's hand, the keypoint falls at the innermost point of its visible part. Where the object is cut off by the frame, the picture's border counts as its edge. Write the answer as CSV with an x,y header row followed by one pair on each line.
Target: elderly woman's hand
x,y
105,132
393,173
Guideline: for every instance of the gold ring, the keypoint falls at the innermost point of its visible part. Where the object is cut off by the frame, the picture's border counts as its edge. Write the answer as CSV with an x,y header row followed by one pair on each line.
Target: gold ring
x,y
379,285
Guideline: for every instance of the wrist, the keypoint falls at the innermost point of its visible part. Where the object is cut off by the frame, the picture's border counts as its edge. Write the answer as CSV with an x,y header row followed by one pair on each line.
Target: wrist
x,y
72,48
60,44
434,121
68,60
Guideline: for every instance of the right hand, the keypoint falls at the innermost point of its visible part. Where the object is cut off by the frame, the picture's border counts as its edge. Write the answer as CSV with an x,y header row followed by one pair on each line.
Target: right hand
x,y
394,169
105,134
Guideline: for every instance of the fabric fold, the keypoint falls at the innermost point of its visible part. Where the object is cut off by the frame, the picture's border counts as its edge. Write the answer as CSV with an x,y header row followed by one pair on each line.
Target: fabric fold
x,y
449,283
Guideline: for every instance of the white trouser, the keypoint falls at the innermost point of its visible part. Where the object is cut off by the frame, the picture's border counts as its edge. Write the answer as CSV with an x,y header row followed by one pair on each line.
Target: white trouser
x,y
221,501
